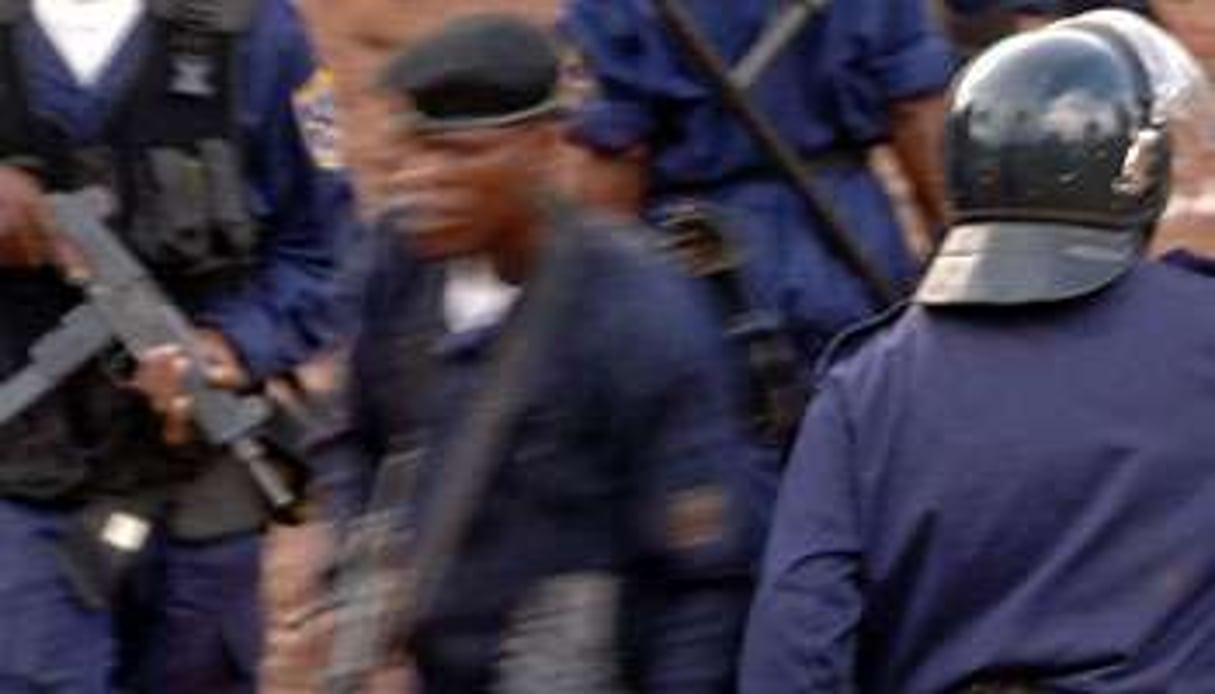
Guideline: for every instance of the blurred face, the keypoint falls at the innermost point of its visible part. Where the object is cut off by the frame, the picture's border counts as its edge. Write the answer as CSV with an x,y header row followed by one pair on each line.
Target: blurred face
x,y
467,192
1193,23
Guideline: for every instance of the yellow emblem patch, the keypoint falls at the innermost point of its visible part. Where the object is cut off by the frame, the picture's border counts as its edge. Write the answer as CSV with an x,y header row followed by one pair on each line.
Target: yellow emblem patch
x,y
316,113
696,518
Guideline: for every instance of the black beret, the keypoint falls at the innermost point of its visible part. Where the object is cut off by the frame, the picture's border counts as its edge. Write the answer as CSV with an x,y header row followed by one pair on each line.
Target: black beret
x,y
480,70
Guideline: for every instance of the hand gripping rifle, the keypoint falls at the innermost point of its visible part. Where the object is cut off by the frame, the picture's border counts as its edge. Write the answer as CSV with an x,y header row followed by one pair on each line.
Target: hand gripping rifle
x,y
124,305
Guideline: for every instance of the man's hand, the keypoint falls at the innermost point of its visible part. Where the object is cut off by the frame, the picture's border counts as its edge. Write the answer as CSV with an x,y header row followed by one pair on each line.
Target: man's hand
x,y
25,221
28,238
161,377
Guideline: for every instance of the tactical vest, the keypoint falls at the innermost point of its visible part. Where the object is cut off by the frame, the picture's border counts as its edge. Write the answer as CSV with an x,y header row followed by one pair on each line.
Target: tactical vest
x,y
170,150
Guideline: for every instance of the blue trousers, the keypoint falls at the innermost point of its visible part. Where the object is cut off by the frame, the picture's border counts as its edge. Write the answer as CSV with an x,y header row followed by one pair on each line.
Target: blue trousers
x,y
188,622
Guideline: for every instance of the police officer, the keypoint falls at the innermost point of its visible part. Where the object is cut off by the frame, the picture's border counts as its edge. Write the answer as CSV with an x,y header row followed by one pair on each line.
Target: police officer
x,y
212,125
861,74
612,543
1007,488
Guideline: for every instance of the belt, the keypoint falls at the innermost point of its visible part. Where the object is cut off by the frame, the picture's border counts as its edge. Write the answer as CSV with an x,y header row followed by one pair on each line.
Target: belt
x,y
834,157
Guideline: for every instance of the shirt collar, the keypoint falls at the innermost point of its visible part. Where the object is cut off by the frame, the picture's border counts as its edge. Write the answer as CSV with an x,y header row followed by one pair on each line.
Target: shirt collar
x,y
1189,260
474,297
88,33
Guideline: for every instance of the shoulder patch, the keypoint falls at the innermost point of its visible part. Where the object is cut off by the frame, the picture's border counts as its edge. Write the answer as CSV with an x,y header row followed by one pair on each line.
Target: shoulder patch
x,y
696,518
316,113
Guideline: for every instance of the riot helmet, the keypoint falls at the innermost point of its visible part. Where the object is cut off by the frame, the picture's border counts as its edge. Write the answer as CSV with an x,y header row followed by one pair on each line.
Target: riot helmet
x,y
1058,155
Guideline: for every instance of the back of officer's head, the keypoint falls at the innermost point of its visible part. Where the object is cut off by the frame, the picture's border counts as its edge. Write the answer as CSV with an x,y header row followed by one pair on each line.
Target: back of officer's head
x,y
1059,158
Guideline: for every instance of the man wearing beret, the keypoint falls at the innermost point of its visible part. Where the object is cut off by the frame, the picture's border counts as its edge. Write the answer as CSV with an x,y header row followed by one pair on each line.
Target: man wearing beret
x,y
611,548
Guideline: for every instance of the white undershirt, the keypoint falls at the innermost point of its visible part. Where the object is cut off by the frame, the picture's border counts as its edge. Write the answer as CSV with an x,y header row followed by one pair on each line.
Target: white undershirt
x,y
87,33
474,297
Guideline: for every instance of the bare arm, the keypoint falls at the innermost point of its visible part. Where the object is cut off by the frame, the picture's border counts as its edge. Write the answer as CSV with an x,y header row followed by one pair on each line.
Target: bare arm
x,y
919,146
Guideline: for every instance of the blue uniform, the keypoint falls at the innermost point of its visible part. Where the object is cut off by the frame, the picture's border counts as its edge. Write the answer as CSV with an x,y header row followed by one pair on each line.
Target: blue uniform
x,y
197,613
830,95
1022,491
627,460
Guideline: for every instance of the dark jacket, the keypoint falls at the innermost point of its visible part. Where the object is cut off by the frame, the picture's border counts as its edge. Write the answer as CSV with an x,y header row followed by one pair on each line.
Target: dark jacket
x,y
1005,492
628,461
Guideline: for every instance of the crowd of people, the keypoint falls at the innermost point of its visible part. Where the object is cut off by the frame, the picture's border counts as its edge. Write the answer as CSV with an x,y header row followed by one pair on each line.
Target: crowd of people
x,y
640,383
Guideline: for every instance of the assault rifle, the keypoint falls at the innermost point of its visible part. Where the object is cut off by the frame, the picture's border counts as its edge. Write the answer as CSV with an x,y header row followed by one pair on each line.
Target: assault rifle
x,y
125,306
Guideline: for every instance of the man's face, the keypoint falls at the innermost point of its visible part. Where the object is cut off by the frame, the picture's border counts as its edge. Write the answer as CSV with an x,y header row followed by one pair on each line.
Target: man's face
x,y
458,191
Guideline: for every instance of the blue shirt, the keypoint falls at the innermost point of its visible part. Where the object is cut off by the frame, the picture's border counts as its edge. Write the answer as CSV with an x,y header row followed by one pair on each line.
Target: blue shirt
x,y
1026,490
303,203
833,89
628,459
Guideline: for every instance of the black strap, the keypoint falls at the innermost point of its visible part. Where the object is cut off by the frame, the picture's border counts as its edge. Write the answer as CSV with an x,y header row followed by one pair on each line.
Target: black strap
x,y
188,90
220,16
17,126
11,11
471,462
834,232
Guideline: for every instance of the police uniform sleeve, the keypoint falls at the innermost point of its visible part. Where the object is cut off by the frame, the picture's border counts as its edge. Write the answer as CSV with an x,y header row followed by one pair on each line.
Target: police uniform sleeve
x,y
300,195
802,631
628,72
695,539
909,55
881,52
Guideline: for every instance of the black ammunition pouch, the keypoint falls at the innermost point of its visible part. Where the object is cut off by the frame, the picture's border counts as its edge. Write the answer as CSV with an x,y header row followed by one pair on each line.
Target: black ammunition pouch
x,y
776,392
190,217
105,540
